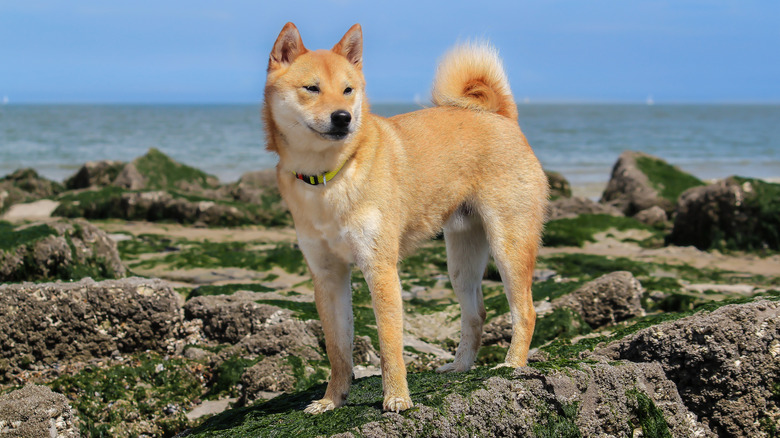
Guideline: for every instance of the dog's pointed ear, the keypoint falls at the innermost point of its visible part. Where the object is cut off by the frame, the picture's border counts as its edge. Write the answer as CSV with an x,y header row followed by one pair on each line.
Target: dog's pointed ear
x,y
351,46
287,47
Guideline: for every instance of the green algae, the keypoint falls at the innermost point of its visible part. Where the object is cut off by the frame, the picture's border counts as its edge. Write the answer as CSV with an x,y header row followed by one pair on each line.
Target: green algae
x,y
227,376
561,323
13,237
558,422
579,230
147,388
668,180
648,416
209,254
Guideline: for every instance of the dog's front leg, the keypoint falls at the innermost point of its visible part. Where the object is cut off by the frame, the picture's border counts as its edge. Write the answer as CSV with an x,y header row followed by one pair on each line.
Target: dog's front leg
x,y
333,297
388,308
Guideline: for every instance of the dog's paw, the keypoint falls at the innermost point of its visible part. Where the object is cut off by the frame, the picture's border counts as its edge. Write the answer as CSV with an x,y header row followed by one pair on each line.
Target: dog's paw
x,y
397,404
453,367
320,406
505,365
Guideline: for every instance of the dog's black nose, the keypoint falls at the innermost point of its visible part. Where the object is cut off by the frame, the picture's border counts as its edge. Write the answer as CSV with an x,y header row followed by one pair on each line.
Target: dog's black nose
x,y
340,119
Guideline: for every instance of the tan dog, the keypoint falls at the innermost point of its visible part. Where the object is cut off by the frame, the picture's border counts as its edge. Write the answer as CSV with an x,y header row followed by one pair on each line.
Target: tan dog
x,y
364,190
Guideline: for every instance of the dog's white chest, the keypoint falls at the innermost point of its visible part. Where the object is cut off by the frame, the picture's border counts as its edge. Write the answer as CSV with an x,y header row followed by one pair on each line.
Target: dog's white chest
x,y
351,238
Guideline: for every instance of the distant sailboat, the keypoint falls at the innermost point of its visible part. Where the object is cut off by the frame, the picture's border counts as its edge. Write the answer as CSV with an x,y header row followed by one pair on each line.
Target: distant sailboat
x,y
650,100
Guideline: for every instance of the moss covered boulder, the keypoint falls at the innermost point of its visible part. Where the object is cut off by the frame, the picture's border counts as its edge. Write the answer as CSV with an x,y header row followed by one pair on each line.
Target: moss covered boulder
x,y
25,185
95,174
640,181
62,250
160,205
157,171
734,213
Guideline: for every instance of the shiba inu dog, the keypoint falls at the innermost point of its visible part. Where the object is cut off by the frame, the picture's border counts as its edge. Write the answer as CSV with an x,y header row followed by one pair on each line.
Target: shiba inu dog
x,y
364,190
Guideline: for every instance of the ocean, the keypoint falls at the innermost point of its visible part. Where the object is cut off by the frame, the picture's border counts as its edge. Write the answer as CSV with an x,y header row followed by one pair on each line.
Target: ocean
x,y
582,141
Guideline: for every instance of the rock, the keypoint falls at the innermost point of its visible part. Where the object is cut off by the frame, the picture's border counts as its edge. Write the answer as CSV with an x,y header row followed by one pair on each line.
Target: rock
x,y
363,351
96,174
589,399
231,318
726,364
65,250
652,216
45,323
735,213
606,300
115,203
25,185
272,374
157,171
130,178
559,186
574,206
640,181
36,411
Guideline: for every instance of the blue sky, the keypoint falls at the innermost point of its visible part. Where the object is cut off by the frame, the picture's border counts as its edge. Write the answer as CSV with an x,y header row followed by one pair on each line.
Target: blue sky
x,y
554,50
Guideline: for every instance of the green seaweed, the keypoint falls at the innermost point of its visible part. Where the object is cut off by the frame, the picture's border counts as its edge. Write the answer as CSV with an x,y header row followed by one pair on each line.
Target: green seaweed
x,y
668,180
558,422
228,374
561,323
12,237
649,416
139,390
578,230
304,310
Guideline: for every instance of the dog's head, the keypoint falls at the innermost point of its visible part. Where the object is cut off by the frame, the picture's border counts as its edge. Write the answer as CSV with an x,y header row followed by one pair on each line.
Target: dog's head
x,y
314,99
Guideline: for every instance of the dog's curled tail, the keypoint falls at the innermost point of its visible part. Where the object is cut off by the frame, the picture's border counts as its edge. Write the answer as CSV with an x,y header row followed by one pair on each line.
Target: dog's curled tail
x,y
471,76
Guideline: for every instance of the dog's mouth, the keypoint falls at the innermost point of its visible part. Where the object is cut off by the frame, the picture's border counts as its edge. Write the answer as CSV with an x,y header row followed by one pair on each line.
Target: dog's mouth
x,y
333,134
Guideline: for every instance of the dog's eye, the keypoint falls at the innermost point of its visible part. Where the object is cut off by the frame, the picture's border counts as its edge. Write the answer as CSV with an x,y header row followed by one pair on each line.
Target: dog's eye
x,y
348,91
312,88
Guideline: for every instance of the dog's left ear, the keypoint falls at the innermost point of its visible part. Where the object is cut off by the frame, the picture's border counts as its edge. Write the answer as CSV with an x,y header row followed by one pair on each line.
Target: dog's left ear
x,y
351,46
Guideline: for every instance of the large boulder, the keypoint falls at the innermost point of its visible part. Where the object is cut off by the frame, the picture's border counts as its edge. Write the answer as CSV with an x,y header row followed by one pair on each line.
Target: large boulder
x,y
63,250
609,299
725,364
157,171
25,185
734,213
95,174
640,181
36,411
45,323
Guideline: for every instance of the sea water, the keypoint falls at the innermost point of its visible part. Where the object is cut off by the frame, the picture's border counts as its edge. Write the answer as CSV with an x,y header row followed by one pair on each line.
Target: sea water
x,y
581,141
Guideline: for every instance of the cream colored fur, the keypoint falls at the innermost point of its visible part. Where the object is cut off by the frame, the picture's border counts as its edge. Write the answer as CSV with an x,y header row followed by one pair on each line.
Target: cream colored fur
x,y
463,166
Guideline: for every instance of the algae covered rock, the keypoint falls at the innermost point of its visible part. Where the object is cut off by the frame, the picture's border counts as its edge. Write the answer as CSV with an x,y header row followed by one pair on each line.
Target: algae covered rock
x,y
37,411
640,181
570,207
585,399
45,323
734,213
725,364
25,185
95,174
64,250
157,171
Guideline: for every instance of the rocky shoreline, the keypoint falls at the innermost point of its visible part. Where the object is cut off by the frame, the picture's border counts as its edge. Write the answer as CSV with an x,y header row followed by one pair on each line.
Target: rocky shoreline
x,y
146,298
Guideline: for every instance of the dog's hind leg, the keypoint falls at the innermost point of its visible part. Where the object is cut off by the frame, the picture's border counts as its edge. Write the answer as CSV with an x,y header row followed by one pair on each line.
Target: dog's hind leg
x,y
467,256
333,298
514,241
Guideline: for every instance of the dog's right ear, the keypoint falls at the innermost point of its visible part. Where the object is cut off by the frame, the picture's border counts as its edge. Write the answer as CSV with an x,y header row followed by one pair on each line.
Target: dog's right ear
x,y
287,47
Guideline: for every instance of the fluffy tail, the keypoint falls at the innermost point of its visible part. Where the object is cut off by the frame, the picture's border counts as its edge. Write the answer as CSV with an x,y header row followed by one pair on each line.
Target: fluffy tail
x,y
471,76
